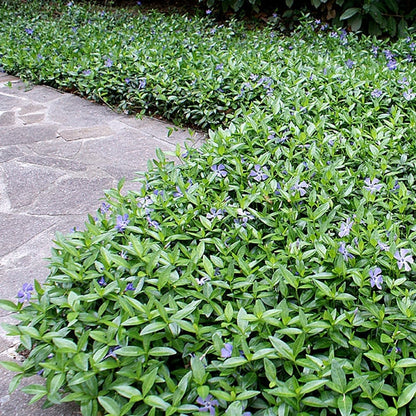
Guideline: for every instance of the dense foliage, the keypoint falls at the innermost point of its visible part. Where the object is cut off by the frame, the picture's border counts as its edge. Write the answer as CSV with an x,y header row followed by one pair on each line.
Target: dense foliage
x,y
391,17
271,272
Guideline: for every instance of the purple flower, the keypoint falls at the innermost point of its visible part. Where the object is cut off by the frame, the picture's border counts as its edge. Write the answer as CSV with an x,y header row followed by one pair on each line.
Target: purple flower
x,y
392,64
178,192
300,187
403,81
376,279
153,223
343,250
219,170
227,351
127,80
123,255
374,49
383,246
409,95
202,280
388,54
112,352
208,11
122,222
215,213
258,174
129,287
108,63
142,83
245,217
345,227
219,67
29,31
87,72
372,185
24,293
102,282
376,93
349,63
39,56
139,3
208,404
404,259
104,207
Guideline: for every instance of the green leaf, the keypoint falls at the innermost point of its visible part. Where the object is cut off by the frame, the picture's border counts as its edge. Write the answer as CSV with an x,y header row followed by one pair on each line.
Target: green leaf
x,y
153,327
407,395
128,391
378,358
198,370
338,376
161,351
181,389
312,386
344,405
110,405
406,363
65,345
8,305
12,366
282,349
352,11
248,394
157,402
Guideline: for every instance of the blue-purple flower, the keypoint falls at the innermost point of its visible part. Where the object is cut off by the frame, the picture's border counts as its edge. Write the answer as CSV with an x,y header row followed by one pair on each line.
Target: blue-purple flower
x,y
409,95
25,293
372,185
129,286
108,63
376,278
142,83
349,63
178,192
104,207
208,404
102,282
404,259
345,227
376,93
87,72
153,223
392,64
29,31
219,170
300,187
215,213
227,351
112,352
122,222
258,174
345,253
383,246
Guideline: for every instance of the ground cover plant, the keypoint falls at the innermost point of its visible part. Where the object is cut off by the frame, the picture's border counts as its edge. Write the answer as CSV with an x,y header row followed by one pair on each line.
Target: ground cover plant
x,y
271,272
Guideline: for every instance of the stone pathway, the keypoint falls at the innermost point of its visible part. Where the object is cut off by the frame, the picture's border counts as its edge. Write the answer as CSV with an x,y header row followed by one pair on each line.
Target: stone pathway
x,y
58,153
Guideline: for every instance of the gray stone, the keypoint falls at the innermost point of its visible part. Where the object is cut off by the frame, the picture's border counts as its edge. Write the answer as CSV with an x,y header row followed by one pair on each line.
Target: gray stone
x,y
85,133
32,118
71,196
17,229
26,134
7,102
56,148
31,108
9,153
73,111
54,162
7,118
25,182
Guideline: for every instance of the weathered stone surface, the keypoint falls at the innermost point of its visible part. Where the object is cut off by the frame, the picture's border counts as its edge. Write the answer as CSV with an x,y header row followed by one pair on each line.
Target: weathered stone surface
x,y
85,133
8,103
73,111
31,108
26,134
25,182
32,118
71,196
56,148
54,162
7,118
17,229
9,152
